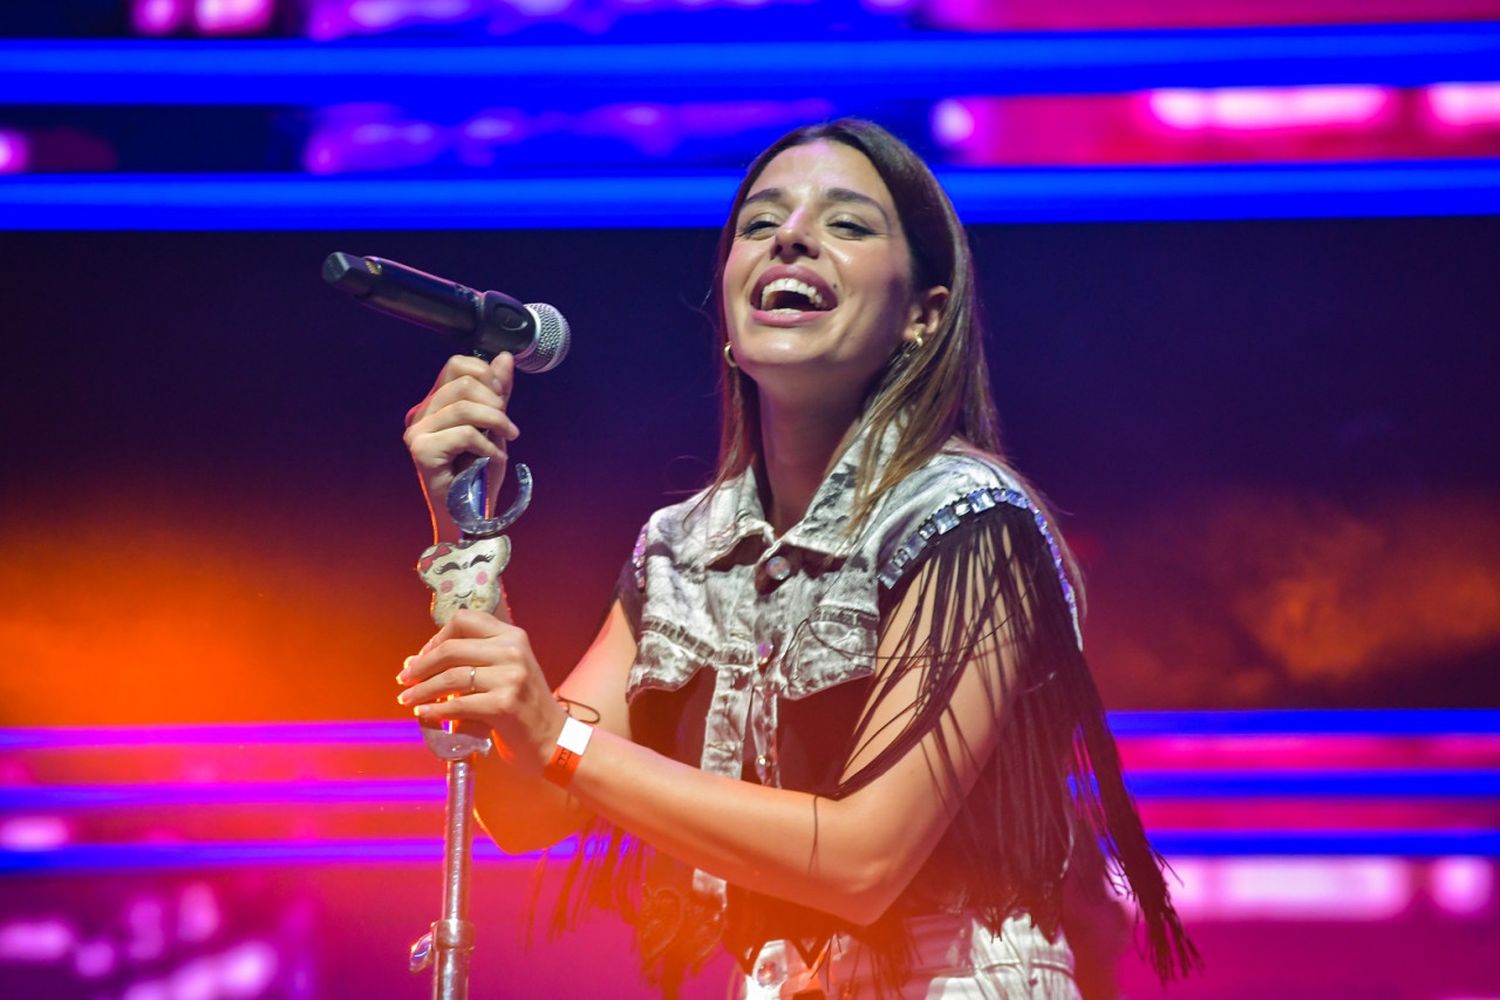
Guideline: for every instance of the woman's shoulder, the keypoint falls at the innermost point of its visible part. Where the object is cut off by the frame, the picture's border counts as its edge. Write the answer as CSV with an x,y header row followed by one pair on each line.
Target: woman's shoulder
x,y
956,471
710,508
959,485
960,462
693,530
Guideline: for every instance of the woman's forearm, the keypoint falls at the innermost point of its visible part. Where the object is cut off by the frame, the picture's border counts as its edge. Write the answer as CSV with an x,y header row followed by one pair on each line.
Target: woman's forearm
x,y
521,812
831,855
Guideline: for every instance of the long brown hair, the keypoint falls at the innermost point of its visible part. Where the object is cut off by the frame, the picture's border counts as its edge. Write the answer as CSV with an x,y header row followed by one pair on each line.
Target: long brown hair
x,y
937,391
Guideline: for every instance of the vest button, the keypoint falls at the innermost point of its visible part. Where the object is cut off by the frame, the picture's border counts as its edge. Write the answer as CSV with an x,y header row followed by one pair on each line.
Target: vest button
x,y
778,568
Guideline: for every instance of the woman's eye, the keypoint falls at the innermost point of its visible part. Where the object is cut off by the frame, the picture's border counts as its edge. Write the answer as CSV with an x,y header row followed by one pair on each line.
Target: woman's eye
x,y
756,226
852,228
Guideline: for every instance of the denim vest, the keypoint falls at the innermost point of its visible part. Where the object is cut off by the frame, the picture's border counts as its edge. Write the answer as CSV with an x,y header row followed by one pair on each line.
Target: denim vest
x,y
785,618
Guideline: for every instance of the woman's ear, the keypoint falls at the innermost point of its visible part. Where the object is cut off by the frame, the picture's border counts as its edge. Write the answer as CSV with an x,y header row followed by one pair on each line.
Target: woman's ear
x,y
926,314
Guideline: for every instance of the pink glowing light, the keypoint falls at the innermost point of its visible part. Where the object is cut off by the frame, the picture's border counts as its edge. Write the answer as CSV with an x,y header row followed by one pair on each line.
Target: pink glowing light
x,y
233,17
34,833
158,17
385,15
198,980
198,913
147,989
145,917
95,959
952,123
1464,105
36,940
1352,889
387,143
1464,886
15,152
242,972
1263,108
540,8
495,126
246,970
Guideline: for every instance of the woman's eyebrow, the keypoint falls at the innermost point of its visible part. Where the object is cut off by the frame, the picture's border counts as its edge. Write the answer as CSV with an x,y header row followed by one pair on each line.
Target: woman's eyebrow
x,y
764,194
840,195
833,196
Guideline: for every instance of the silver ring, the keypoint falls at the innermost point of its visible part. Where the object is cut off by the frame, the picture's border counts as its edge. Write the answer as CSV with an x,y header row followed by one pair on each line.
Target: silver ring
x,y
472,686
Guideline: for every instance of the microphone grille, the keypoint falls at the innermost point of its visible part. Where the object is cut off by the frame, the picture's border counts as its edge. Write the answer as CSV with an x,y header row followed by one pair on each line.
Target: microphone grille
x,y
553,336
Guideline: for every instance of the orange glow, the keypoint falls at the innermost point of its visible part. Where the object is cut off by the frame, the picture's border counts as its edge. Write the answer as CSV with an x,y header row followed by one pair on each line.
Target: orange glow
x,y
1230,600
1226,600
136,619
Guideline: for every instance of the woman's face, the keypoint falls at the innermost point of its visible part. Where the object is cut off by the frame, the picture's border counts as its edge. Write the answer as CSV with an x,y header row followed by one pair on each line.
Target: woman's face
x,y
818,279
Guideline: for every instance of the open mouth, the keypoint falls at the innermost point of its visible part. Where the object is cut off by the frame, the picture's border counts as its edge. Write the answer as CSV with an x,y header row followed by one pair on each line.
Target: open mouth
x,y
791,294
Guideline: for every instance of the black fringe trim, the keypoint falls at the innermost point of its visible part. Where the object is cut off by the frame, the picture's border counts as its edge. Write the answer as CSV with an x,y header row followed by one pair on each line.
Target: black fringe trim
x,y
991,584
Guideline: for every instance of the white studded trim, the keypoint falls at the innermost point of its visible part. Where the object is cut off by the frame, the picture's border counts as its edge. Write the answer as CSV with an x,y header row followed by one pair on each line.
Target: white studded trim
x,y
954,513
638,559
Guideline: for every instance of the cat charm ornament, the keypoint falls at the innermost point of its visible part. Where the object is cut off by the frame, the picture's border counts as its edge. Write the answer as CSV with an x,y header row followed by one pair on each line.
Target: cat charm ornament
x,y
466,574
462,574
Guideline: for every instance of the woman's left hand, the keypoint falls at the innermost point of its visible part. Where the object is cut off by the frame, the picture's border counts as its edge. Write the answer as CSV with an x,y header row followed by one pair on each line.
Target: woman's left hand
x,y
481,669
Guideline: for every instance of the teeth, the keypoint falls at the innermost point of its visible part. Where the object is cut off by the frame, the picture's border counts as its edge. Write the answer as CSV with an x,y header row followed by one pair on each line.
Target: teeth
x,y
791,285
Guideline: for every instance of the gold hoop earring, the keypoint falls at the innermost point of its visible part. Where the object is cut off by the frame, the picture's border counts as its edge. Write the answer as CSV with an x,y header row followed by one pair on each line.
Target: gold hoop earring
x,y
729,356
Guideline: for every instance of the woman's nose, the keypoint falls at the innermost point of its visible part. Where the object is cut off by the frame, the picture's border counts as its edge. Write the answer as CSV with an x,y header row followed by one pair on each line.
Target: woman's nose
x,y
795,238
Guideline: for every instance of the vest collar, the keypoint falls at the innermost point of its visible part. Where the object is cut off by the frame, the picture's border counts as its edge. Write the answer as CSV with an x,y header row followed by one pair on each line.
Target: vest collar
x,y
735,512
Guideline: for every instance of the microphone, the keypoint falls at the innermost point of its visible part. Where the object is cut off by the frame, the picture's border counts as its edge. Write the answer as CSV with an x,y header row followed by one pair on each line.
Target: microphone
x,y
482,323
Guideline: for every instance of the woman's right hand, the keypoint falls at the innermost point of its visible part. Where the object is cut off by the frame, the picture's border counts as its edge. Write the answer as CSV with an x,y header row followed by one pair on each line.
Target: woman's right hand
x,y
464,414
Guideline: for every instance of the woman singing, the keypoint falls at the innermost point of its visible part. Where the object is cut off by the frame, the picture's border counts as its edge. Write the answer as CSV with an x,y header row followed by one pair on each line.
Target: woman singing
x,y
837,718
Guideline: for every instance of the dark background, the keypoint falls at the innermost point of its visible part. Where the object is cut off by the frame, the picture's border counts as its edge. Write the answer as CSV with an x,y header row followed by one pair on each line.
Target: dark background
x,y
1272,444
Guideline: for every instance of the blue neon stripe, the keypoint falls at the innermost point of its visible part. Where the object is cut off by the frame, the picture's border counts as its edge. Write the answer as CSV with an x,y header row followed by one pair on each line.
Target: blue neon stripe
x,y
1310,722
1419,784
1262,722
1390,784
309,734
368,792
1399,843
308,73
137,857
74,858
261,202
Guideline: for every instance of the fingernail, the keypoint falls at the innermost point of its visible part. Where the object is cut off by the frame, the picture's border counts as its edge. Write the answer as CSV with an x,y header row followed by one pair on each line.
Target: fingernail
x,y
419,711
496,384
403,697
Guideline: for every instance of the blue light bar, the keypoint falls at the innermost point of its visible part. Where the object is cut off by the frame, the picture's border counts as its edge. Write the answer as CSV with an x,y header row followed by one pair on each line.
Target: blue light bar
x,y
1326,843
1096,194
308,73
310,734
1261,722
219,854
120,858
1310,722
1413,783
385,791
1416,783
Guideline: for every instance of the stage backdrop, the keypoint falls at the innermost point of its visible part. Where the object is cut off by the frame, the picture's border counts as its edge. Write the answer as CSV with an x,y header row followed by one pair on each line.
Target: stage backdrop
x,y
1271,443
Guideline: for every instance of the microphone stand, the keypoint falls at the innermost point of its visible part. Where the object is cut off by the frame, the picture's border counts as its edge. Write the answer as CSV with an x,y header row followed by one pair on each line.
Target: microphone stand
x,y
462,575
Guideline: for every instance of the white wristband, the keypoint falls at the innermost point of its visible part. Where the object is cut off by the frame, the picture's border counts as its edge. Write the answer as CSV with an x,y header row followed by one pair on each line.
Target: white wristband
x,y
571,743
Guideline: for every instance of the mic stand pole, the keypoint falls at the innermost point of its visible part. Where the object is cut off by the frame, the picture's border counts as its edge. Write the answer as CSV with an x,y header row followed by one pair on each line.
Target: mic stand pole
x,y
462,575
